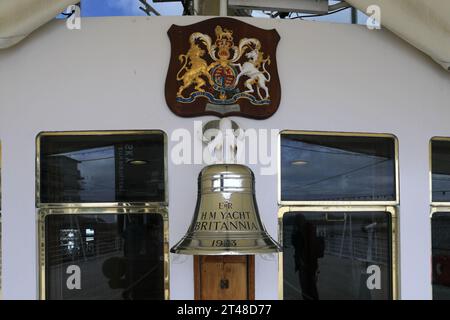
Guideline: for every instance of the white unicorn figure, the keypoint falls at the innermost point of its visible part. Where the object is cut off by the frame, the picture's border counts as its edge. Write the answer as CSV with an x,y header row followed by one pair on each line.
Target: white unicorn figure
x,y
250,69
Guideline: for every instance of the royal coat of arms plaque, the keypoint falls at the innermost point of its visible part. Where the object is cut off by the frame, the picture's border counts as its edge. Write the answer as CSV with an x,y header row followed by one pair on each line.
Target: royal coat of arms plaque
x,y
223,67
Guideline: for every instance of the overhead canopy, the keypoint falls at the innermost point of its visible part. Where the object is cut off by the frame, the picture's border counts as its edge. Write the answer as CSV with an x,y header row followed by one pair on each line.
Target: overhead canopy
x,y
18,18
423,23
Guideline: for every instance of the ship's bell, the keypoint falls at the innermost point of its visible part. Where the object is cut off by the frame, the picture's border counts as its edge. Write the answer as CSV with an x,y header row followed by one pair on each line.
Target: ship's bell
x,y
226,219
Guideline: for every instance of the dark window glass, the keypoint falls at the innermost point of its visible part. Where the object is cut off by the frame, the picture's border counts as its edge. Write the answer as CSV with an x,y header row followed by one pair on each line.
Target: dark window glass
x,y
337,168
337,255
102,168
441,255
440,155
114,256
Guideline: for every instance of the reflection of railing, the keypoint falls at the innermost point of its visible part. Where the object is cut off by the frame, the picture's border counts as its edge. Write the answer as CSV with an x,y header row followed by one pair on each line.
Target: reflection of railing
x,y
441,235
101,245
137,282
98,248
351,244
441,251
356,248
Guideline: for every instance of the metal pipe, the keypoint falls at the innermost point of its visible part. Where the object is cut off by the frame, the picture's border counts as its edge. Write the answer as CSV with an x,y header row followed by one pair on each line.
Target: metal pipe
x,y
223,8
196,7
147,8
354,16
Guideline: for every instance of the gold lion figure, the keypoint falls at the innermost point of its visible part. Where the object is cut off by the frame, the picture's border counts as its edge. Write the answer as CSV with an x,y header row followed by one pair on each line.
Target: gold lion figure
x,y
198,68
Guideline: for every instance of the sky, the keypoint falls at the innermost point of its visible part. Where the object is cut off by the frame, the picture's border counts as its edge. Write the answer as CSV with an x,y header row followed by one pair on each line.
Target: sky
x,y
95,8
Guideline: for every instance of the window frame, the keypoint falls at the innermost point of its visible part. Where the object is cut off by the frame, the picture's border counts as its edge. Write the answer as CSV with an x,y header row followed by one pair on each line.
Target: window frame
x,y
44,212
434,210
40,204
430,172
45,209
435,206
321,209
394,202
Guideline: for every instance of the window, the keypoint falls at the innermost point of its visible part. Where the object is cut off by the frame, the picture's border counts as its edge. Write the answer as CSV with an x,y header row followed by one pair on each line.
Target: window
x,y
102,215
320,167
440,224
92,168
110,255
440,217
337,216
440,170
335,254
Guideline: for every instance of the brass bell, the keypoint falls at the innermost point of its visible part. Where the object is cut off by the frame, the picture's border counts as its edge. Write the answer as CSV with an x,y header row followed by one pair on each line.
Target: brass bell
x,y
226,219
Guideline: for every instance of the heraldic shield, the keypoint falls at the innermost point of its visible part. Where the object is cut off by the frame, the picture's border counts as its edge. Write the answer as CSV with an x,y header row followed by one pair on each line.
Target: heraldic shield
x,y
223,67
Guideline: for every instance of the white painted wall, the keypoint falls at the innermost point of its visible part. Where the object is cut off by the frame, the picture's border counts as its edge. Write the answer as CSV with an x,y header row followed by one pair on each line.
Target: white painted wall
x,y
110,75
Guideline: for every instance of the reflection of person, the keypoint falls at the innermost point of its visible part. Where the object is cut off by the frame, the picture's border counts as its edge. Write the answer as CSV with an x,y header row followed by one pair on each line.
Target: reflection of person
x,y
138,270
308,249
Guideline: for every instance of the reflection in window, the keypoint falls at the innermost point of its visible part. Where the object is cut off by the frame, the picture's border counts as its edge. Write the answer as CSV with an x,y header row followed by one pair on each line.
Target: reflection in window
x,y
337,168
441,255
102,168
104,256
337,255
440,155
